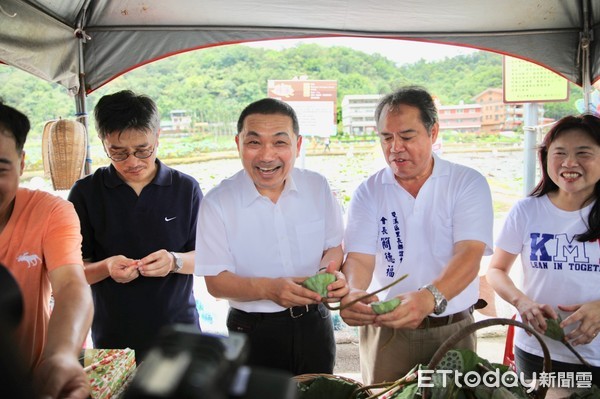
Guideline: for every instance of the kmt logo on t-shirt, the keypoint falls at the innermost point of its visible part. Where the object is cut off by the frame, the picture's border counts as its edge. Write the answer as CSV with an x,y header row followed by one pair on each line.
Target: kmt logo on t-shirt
x,y
560,251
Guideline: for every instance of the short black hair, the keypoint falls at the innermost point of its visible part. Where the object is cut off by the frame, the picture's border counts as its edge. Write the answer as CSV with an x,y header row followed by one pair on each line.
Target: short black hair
x,y
125,110
415,96
269,106
14,123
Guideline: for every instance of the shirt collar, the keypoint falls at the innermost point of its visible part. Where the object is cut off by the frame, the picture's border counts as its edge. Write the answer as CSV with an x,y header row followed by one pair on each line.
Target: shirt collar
x,y
163,175
441,167
251,194
162,178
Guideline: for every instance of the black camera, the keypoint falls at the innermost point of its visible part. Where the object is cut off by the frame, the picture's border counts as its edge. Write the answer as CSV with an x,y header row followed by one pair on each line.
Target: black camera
x,y
187,364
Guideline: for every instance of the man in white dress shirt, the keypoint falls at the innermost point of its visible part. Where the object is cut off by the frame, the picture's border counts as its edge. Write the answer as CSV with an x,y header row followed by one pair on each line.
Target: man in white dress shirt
x,y
264,230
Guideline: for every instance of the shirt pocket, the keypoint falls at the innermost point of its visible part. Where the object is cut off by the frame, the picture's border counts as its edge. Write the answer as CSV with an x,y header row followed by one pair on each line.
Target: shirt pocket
x,y
311,240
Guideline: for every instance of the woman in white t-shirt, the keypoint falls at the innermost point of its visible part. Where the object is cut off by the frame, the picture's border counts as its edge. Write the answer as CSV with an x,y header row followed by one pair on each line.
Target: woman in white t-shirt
x,y
556,232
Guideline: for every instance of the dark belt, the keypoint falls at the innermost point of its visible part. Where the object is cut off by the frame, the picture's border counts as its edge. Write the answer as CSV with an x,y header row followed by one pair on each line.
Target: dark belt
x,y
294,313
433,322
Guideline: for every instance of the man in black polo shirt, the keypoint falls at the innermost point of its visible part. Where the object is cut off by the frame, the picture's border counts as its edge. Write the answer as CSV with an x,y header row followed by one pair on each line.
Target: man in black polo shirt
x,y
138,222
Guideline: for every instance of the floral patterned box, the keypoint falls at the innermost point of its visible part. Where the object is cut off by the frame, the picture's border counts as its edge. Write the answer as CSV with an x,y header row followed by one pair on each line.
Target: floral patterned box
x,y
109,370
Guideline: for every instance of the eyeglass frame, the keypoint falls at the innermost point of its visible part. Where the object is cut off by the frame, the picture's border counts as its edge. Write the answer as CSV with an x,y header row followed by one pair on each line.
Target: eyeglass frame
x,y
131,153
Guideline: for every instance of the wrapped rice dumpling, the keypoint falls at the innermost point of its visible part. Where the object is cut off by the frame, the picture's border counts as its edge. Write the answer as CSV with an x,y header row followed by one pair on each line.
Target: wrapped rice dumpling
x,y
382,307
319,282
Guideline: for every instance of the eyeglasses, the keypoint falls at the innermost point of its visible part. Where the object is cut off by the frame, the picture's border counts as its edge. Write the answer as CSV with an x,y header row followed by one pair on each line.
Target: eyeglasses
x,y
139,154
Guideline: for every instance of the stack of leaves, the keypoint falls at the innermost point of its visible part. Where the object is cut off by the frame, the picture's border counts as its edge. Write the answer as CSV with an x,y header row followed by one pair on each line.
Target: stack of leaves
x,y
466,361
450,383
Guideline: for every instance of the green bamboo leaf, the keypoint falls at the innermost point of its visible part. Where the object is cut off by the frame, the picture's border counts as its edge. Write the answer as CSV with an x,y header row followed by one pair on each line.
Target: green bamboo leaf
x,y
319,282
382,307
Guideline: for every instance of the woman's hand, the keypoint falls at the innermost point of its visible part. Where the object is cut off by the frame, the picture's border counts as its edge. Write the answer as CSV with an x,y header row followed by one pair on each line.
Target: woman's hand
x,y
588,317
535,314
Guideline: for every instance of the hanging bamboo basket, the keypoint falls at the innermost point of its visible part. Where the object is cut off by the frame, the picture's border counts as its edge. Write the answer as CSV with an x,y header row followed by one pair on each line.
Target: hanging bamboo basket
x,y
65,145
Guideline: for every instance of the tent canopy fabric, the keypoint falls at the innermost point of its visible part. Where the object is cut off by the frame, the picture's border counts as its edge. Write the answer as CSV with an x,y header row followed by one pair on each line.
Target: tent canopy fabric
x,y
91,42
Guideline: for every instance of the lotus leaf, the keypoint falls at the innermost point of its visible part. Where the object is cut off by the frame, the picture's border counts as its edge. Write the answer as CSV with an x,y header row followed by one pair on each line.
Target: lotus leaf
x,y
591,393
503,393
328,387
382,307
553,329
455,386
319,282
407,392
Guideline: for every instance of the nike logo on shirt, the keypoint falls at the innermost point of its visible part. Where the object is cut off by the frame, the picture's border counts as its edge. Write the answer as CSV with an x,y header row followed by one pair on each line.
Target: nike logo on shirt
x,y
169,219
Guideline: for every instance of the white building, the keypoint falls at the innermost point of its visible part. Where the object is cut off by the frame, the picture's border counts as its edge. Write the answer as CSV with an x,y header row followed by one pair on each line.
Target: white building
x,y
180,120
358,113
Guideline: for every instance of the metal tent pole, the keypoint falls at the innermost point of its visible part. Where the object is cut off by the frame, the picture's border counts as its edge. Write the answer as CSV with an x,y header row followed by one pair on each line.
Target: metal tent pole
x,y
82,117
80,95
585,41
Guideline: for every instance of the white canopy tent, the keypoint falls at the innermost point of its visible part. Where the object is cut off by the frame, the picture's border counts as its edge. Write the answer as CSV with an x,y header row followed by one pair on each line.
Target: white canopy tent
x,y
90,42
83,44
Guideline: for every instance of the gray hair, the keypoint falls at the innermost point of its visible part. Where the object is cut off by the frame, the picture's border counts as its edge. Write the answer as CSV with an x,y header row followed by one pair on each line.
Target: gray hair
x,y
414,96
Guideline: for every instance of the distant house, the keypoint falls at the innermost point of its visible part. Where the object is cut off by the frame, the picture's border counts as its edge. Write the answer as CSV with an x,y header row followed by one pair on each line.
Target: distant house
x,y
498,116
462,118
358,114
181,121
488,114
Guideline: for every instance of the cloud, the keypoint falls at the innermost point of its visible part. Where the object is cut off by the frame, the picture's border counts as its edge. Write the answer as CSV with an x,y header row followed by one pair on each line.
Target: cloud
x,y
400,51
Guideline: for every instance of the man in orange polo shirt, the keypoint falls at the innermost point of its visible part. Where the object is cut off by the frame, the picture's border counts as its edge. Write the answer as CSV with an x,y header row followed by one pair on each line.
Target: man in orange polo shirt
x,y
40,244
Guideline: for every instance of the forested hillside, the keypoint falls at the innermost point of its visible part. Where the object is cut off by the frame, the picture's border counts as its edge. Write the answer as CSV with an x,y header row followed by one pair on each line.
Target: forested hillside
x,y
215,84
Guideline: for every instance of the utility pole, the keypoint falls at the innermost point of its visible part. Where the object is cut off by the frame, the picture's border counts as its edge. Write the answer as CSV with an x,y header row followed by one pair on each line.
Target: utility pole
x,y
530,129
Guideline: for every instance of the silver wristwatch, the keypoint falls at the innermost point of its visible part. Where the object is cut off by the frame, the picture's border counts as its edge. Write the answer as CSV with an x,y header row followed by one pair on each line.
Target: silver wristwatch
x,y
178,262
439,298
